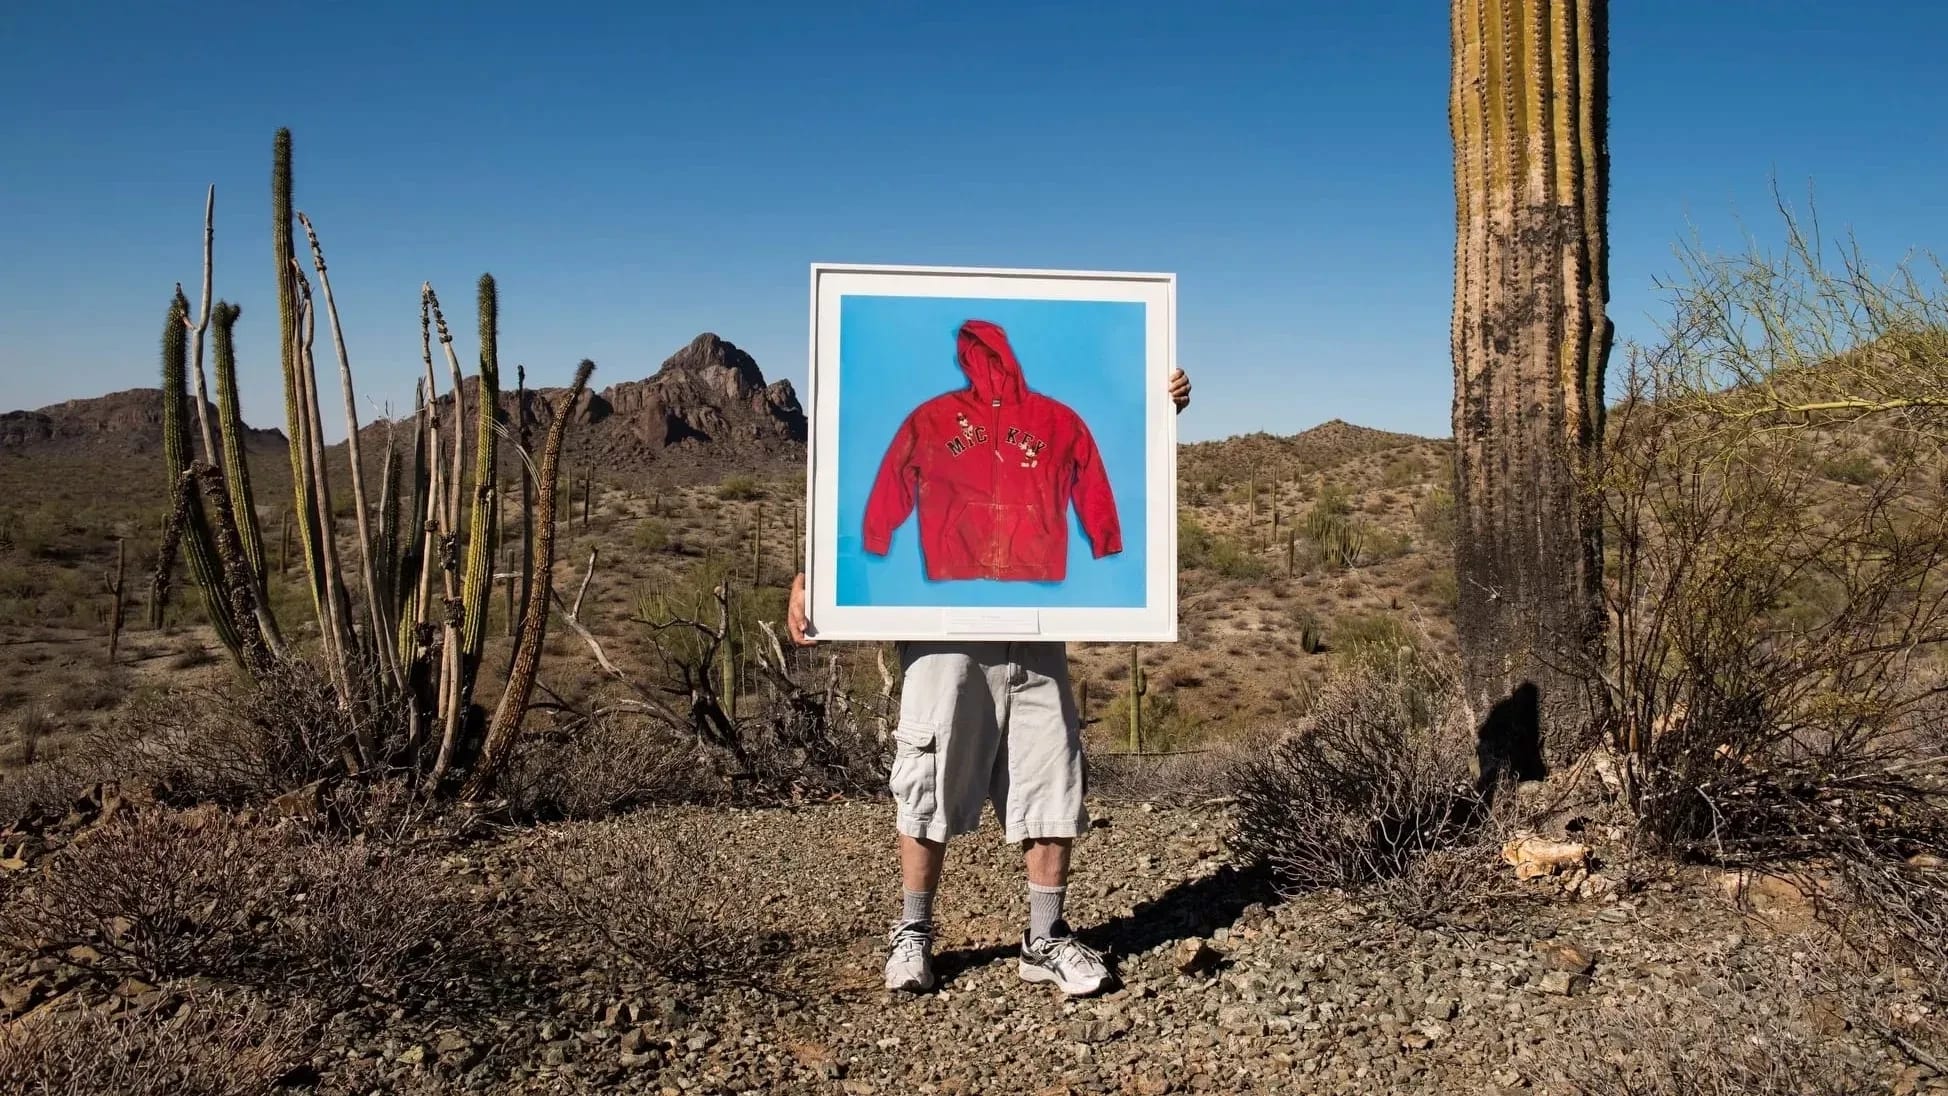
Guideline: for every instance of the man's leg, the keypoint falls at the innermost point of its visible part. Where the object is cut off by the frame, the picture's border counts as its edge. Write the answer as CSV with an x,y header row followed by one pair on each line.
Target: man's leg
x,y
920,864
1038,786
944,750
1047,860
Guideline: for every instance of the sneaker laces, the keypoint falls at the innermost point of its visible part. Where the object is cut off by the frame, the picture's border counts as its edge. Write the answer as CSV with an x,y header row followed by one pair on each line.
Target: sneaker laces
x,y
1068,949
910,939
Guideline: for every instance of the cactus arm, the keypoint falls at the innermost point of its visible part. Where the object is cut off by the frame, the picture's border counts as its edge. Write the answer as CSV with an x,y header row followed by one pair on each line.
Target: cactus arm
x,y
475,580
197,329
285,262
241,501
513,707
368,578
195,536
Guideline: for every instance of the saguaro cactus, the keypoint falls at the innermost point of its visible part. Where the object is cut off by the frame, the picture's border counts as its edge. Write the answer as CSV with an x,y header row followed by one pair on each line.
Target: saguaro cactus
x,y
1531,341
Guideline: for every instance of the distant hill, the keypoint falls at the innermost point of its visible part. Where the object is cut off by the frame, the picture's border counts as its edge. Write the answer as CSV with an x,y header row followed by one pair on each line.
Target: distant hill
x,y
706,412
127,423
1271,457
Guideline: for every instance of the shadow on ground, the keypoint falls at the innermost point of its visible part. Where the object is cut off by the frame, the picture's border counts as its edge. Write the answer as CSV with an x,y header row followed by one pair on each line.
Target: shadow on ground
x,y
1195,907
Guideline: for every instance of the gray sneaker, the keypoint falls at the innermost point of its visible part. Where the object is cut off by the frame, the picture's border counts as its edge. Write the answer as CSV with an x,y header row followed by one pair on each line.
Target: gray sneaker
x,y
909,968
1067,962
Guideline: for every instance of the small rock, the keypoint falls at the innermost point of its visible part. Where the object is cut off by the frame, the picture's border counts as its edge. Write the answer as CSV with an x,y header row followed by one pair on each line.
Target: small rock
x,y
1416,1040
412,1055
1534,857
1562,955
1194,956
1563,983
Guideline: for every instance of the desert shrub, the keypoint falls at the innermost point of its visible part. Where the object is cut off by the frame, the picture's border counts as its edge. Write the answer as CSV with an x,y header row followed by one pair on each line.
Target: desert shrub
x,y
1666,1054
1373,779
661,892
1385,544
214,1044
1373,639
650,535
1436,516
1401,471
1763,685
164,895
1198,548
1310,629
739,489
1854,468
1162,722
240,742
601,767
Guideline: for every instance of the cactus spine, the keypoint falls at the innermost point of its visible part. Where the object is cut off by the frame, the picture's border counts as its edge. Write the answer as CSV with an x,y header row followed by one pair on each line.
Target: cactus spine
x,y
1530,344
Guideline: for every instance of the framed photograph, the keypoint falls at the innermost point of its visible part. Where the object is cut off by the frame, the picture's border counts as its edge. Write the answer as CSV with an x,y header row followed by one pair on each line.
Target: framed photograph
x,y
993,455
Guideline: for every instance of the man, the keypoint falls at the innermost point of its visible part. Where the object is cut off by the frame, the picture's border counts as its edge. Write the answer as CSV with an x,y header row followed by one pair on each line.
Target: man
x,y
988,722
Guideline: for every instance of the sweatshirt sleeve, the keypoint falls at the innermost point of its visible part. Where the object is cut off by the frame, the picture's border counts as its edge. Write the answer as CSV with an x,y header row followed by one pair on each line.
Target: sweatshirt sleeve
x,y
1095,503
892,495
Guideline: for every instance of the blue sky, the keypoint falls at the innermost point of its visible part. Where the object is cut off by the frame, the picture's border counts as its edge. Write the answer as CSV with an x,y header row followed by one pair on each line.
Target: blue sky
x,y
634,173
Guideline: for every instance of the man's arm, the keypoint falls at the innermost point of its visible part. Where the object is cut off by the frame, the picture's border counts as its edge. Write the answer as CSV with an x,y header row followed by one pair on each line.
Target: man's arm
x,y
797,620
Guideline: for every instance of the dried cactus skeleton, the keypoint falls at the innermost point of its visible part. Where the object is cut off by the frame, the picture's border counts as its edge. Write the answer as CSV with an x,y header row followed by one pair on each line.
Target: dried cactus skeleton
x,y
403,640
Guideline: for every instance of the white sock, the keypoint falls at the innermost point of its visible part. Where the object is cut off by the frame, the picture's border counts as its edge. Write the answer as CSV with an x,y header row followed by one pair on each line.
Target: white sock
x,y
1044,910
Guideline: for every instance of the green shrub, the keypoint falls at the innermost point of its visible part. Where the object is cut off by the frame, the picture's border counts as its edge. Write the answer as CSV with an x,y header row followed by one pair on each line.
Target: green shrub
x,y
1436,516
739,489
1376,640
1384,544
1164,724
651,535
1200,549
1853,468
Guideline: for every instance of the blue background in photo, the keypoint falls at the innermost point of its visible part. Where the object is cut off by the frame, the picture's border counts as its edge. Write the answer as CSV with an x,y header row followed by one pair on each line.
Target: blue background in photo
x,y
896,353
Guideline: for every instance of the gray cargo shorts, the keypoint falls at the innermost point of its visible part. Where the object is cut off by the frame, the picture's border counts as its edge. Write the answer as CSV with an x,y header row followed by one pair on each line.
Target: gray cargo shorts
x,y
988,723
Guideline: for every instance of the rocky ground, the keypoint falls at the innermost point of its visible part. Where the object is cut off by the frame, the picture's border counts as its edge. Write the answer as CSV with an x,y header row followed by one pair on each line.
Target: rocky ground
x,y
1225,988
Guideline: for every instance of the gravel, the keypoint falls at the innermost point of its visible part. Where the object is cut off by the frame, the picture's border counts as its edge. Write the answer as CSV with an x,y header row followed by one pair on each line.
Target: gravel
x,y
1224,987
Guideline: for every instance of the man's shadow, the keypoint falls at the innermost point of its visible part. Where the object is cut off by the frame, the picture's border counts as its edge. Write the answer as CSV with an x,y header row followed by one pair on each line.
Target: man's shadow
x,y
1193,907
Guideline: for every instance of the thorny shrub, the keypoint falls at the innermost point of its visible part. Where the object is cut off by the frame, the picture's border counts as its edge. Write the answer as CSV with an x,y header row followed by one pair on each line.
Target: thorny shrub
x,y
165,895
1774,680
656,890
211,1045
235,742
602,766
1373,779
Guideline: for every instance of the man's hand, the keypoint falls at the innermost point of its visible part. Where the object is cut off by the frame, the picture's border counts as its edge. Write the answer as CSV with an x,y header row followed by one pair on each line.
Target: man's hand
x,y
1180,389
795,618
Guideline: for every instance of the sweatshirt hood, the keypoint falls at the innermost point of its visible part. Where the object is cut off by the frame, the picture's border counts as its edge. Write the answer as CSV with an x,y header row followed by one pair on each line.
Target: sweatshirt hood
x,y
989,363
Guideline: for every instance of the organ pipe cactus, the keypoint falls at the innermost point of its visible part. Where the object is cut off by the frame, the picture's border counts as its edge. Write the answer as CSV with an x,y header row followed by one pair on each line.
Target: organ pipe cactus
x,y
534,620
194,529
401,640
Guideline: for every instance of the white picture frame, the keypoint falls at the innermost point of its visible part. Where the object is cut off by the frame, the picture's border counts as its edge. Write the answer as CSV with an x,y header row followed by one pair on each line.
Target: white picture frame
x,y
851,597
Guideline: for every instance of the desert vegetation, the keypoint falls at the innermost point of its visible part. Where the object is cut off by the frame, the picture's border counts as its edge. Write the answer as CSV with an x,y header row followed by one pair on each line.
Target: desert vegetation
x,y
459,756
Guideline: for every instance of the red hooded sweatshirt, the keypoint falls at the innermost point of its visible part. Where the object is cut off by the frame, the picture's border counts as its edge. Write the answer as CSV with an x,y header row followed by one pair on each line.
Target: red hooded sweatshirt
x,y
993,468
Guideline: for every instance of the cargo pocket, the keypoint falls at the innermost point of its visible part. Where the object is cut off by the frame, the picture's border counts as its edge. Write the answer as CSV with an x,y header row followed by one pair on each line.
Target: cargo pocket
x,y
915,778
